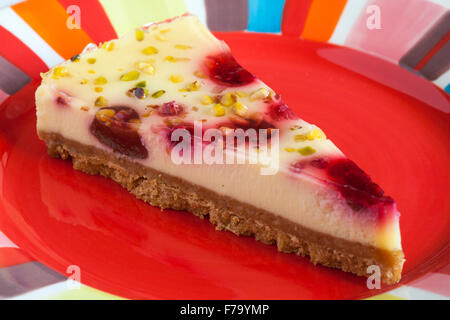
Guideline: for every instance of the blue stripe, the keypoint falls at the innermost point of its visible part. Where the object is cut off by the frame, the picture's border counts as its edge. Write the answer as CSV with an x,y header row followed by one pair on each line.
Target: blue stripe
x,y
265,15
447,88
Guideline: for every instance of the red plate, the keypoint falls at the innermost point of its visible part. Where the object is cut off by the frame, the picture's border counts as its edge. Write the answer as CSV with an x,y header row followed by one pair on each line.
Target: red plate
x,y
393,123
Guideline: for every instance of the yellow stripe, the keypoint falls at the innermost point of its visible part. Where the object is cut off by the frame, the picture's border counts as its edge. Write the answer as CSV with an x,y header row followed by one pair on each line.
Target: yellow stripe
x,y
385,296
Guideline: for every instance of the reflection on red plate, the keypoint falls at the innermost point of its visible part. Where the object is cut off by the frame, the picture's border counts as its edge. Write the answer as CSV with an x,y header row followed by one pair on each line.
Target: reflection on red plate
x,y
126,247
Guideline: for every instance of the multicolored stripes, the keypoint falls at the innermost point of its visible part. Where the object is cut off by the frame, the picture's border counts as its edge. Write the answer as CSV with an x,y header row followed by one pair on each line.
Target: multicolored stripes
x,y
53,29
413,34
422,47
430,55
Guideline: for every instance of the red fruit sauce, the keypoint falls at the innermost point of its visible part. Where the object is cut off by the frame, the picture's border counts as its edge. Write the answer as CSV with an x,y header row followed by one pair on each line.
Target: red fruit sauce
x,y
117,132
223,69
170,109
352,182
278,111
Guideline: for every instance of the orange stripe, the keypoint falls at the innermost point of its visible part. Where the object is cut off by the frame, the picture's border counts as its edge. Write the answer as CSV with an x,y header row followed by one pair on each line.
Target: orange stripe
x,y
433,51
322,18
49,19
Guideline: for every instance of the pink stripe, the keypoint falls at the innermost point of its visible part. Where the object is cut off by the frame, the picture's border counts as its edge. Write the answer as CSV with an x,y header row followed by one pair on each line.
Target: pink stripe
x,y
5,242
403,22
3,96
435,282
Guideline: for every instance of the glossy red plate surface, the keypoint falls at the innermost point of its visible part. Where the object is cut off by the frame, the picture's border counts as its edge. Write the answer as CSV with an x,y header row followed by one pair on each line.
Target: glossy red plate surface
x,y
394,124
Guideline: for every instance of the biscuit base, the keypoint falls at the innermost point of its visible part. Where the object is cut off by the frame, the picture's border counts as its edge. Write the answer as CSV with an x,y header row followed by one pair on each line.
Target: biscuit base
x,y
166,191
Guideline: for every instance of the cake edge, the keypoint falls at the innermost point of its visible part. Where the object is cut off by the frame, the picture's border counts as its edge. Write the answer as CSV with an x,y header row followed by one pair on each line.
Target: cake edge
x,y
168,192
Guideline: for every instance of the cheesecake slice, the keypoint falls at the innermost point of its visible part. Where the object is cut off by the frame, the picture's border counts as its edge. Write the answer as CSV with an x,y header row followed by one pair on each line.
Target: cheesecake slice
x,y
167,112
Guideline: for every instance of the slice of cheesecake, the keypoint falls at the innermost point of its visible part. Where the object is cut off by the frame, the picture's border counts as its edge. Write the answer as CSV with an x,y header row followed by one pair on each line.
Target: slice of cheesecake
x,y
167,112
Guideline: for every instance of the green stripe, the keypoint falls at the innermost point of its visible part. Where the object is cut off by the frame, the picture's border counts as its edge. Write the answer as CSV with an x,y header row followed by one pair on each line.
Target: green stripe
x,y
126,15
83,293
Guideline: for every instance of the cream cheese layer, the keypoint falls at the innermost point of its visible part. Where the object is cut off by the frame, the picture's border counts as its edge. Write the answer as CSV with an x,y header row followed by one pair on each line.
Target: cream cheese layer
x,y
129,95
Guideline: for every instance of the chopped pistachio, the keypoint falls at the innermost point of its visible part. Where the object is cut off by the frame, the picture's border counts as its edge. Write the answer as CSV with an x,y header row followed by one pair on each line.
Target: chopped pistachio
x,y
91,60
182,47
147,114
200,74
240,109
219,111
289,149
150,50
60,72
228,99
174,59
145,66
316,134
75,58
110,46
139,35
130,76
158,93
91,71
259,94
241,94
141,84
206,100
160,37
300,137
83,81
306,151
130,93
140,93
105,114
193,86
98,89
100,81
101,101
170,59
312,135
176,78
